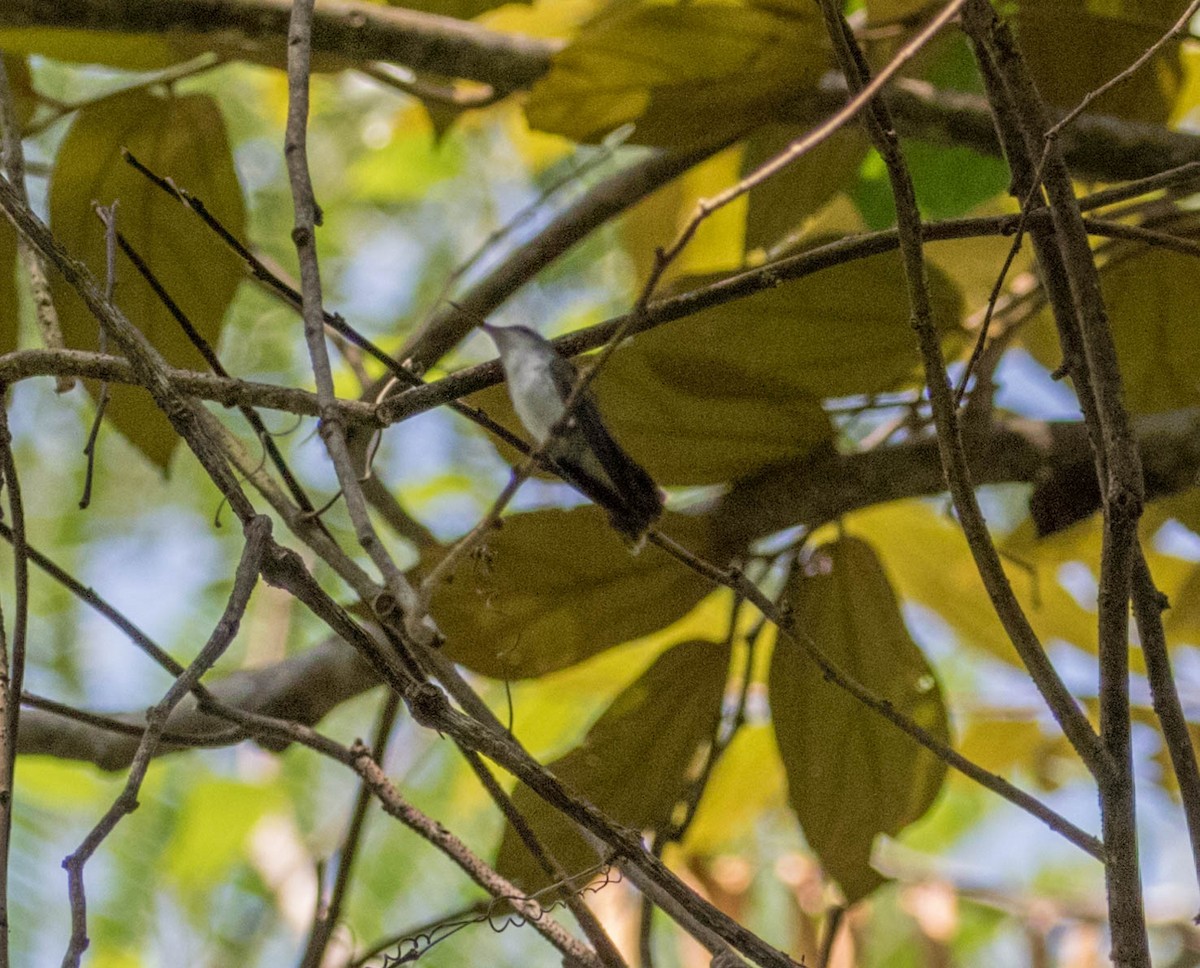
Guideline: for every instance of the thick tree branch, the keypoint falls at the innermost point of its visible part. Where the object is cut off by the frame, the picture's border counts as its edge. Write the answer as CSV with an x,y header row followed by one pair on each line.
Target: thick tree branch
x,y
346,31
303,689
1090,355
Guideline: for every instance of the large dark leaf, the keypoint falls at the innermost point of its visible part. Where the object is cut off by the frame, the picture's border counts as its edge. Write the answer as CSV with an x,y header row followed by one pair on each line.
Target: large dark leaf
x,y
680,72
560,586
1074,46
851,774
182,138
685,434
635,762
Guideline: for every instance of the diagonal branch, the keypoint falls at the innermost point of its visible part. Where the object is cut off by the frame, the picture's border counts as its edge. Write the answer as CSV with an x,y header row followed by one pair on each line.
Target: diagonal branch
x,y
258,534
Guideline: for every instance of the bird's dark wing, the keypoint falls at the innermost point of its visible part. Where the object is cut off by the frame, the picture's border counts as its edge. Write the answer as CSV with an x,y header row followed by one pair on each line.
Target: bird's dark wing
x,y
633,500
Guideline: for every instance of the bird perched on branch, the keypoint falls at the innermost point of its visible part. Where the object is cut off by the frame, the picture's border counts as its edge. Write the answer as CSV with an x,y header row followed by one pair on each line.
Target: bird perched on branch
x,y
540,382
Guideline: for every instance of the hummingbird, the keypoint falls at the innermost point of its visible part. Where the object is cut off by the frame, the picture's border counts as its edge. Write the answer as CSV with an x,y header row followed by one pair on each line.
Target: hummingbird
x,y
540,380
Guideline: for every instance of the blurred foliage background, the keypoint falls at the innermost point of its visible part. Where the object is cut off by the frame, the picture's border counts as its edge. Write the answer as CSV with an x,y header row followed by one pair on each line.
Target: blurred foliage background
x,y
614,669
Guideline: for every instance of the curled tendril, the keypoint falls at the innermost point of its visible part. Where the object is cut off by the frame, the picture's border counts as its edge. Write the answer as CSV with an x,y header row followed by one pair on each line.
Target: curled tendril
x,y
413,947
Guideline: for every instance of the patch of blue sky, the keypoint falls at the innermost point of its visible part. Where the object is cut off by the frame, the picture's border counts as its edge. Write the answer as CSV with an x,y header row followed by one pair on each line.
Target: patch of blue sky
x,y
1024,386
156,573
380,283
1178,540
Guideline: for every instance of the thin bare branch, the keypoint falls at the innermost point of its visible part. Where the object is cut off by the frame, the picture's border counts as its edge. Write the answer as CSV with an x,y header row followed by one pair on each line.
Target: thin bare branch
x,y
12,667
258,534
350,31
1148,605
307,218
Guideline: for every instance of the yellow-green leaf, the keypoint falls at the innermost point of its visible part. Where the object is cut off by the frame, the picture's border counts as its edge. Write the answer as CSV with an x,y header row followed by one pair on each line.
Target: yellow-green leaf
x,y
1151,299
634,764
655,222
214,822
681,72
556,587
746,782
851,774
784,202
1074,46
842,331
182,138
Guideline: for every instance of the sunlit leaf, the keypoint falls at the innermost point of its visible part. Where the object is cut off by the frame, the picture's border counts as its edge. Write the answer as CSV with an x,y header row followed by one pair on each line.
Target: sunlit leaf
x,y
655,222
213,825
1006,745
910,534
852,775
635,762
179,137
681,72
746,782
556,587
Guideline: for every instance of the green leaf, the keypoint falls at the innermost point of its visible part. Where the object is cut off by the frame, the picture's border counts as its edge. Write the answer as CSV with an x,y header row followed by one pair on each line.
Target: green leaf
x,y
1151,298
950,180
1073,47
681,72
686,431
178,137
780,205
634,764
214,822
839,332
557,587
414,149
851,774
